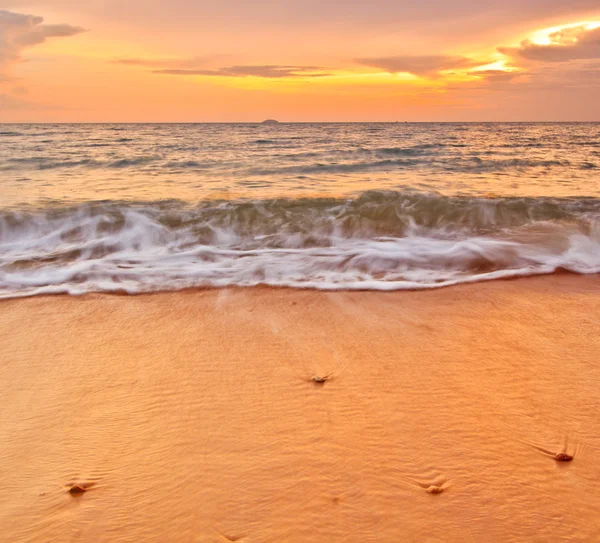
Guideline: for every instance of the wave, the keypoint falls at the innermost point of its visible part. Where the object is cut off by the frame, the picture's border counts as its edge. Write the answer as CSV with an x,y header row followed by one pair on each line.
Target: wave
x,y
468,164
43,163
378,241
436,157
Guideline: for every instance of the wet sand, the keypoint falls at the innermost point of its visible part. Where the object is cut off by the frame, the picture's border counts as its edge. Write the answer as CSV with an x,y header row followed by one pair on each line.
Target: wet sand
x,y
193,416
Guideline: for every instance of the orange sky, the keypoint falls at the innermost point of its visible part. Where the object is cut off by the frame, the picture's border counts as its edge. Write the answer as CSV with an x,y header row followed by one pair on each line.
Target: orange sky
x,y
152,60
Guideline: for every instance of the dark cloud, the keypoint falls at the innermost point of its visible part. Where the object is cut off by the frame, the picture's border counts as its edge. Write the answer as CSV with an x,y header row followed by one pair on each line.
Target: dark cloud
x,y
19,31
266,71
577,43
420,65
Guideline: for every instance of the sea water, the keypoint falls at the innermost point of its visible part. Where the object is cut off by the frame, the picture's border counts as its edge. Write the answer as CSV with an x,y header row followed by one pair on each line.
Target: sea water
x,y
382,206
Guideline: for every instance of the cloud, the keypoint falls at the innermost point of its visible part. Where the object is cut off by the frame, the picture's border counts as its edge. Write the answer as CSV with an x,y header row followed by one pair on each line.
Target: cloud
x,y
419,65
577,75
198,66
574,43
498,75
169,63
137,61
18,31
268,71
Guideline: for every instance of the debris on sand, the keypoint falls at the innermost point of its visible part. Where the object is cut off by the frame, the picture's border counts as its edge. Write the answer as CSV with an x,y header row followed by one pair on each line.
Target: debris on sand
x,y
563,457
433,489
76,489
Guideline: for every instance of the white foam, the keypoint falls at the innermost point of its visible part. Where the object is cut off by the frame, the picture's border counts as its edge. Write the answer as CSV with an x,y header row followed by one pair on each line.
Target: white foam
x,y
135,250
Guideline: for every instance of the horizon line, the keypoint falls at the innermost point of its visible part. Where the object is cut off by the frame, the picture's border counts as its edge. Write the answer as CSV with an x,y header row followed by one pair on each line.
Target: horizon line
x,y
299,122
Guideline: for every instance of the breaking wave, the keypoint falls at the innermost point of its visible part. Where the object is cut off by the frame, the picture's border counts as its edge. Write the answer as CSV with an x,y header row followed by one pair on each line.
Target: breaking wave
x,y
378,241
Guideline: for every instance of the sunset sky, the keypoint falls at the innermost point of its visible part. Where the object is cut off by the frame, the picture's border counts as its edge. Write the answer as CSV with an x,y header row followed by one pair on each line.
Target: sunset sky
x,y
309,60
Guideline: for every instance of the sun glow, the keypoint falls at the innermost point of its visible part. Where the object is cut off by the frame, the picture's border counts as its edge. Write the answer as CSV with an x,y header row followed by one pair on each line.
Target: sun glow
x,y
82,65
499,65
544,36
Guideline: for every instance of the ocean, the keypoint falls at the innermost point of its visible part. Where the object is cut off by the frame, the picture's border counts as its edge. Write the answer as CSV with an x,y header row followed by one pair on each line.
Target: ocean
x,y
372,206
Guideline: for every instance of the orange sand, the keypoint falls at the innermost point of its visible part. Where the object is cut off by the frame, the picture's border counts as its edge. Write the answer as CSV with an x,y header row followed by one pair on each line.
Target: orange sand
x,y
194,415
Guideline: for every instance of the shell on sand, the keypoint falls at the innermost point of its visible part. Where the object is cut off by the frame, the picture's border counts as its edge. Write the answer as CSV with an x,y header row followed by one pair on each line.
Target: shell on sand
x,y
433,489
563,457
76,489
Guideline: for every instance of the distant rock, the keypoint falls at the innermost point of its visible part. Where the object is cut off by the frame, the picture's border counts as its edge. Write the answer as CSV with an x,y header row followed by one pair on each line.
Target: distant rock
x,y
270,121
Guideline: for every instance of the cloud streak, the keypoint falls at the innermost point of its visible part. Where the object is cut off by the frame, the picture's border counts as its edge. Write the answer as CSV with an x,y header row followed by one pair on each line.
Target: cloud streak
x,y
267,71
197,66
419,65
19,31
575,43
169,63
498,75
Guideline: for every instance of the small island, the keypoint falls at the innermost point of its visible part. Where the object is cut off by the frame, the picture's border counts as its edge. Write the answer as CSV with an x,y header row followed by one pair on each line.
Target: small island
x,y
270,121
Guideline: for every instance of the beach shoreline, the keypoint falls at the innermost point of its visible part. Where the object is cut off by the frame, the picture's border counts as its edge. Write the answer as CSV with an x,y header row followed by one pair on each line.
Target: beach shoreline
x,y
195,416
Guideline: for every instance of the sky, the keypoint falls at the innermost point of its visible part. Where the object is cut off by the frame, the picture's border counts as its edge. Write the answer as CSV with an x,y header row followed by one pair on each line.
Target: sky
x,y
309,60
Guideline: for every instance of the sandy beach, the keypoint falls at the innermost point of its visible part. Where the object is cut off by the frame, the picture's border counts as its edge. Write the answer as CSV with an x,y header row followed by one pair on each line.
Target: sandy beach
x,y
192,416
